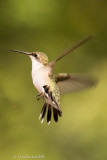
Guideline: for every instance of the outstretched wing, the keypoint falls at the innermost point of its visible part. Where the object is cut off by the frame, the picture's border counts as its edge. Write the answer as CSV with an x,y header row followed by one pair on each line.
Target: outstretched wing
x,y
69,83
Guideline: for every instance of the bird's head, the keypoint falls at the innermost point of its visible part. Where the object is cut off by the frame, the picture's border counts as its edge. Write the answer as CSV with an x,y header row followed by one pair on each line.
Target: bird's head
x,y
39,57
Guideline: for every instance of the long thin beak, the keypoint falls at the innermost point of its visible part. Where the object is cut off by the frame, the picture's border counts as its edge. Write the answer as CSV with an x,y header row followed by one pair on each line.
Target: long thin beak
x,y
27,53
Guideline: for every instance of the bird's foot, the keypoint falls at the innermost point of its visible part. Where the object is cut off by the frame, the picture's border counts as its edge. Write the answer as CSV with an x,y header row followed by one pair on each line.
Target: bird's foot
x,y
39,96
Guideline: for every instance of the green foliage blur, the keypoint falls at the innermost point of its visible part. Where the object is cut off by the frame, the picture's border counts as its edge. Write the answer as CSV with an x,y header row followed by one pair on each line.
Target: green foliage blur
x,y
52,26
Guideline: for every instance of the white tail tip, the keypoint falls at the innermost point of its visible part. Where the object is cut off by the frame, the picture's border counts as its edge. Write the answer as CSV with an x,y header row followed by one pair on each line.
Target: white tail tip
x,y
49,122
42,120
40,116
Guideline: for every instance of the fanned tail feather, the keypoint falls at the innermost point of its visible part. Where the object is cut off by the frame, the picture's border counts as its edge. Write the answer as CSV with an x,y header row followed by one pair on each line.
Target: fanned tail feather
x,y
56,113
49,114
43,112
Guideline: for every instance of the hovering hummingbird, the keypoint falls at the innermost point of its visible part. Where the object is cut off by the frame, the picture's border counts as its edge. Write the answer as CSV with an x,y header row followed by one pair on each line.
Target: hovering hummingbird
x,y
50,86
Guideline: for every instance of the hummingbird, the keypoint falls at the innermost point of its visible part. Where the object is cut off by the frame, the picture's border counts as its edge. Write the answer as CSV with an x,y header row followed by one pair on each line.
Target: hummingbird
x,y
50,86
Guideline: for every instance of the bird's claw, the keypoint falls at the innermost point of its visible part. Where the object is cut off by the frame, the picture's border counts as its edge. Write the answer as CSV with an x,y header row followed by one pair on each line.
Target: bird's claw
x,y
39,96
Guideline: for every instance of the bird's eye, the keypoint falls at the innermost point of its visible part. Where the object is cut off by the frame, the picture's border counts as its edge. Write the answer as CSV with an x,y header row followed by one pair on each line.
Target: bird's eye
x,y
35,55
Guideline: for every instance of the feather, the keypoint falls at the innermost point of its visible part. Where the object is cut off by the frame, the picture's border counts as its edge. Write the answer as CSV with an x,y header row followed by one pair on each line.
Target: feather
x,y
43,112
49,114
46,90
68,51
68,83
56,113
49,96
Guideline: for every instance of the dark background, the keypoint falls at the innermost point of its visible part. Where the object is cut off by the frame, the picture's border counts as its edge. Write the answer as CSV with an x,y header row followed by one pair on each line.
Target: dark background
x,y
52,26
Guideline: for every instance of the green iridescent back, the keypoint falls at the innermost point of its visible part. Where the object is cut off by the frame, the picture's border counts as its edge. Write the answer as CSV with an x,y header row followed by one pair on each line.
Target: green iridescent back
x,y
55,90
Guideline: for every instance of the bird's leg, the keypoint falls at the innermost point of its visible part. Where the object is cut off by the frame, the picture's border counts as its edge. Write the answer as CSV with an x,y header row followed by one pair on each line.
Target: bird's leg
x,y
39,96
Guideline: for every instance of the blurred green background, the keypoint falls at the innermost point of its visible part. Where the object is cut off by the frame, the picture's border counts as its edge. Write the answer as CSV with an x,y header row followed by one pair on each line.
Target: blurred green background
x,y
52,26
